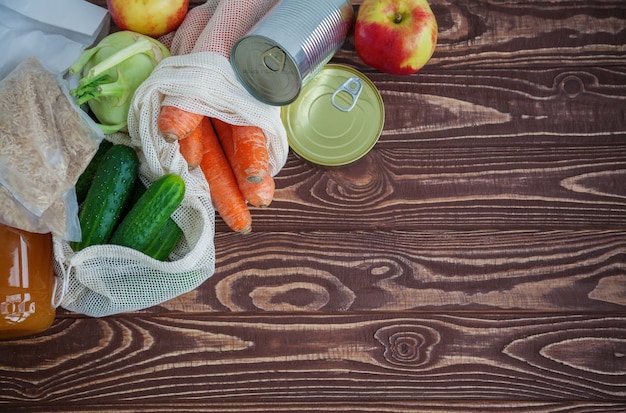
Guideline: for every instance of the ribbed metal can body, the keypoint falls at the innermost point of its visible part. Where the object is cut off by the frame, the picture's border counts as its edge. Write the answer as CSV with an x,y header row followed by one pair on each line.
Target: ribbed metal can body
x,y
289,45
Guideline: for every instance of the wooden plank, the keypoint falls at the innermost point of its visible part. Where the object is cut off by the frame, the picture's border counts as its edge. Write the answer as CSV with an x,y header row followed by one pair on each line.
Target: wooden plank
x,y
306,358
513,34
470,108
330,272
368,406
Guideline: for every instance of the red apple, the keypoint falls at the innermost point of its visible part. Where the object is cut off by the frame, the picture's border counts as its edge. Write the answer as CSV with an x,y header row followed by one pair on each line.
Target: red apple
x,y
395,36
153,18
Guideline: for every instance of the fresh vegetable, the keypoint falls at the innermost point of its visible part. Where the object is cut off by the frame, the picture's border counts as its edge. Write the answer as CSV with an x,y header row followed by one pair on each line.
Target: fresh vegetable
x,y
258,191
84,180
250,151
224,134
164,243
222,130
245,148
225,193
138,190
149,215
111,73
191,147
175,124
259,194
109,191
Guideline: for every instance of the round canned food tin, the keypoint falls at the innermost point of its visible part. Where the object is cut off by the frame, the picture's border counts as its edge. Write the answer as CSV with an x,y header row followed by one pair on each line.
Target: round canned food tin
x,y
288,46
337,118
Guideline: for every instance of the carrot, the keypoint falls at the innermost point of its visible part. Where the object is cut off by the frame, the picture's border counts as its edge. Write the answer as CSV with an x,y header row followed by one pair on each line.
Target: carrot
x,y
192,147
175,123
223,130
226,195
251,151
245,149
259,194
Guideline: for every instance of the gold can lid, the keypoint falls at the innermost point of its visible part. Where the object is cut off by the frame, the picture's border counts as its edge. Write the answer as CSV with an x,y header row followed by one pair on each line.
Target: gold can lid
x,y
337,118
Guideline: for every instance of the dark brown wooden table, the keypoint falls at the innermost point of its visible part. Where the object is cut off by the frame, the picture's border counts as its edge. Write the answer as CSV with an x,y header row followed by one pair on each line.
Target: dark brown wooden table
x,y
475,260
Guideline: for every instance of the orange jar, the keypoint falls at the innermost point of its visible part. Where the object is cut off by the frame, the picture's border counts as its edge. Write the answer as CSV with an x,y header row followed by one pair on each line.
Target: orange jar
x,y
26,282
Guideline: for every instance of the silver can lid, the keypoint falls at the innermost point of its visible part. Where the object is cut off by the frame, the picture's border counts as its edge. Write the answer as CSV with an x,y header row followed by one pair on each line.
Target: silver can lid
x,y
266,70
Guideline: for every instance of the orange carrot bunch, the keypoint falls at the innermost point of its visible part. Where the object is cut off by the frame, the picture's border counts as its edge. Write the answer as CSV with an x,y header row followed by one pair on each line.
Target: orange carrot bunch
x,y
245,147
235,163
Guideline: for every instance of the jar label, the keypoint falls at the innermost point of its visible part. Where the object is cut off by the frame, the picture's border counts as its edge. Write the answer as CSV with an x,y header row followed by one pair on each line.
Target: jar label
x,y
17,307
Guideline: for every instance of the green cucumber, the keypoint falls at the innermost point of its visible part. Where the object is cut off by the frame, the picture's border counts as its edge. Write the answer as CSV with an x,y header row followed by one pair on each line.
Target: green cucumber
x,y
164,243
84,180
112,184
147,218
134,196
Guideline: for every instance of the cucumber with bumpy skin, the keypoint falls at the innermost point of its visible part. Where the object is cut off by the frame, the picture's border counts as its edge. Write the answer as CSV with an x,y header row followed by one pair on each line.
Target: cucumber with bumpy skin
x,y
109,191
147,218
84,180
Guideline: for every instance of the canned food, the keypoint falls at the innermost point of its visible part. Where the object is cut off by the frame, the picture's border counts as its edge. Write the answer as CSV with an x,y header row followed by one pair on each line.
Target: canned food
x,y
288,46
337,118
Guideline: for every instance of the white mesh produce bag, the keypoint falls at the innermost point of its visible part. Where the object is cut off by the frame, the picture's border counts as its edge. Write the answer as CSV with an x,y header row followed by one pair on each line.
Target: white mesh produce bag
x,y
107,279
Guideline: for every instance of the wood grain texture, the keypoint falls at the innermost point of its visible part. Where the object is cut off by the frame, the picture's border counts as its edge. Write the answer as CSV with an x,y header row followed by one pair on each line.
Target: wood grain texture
x,y
278,357
502,107
320,406
526,271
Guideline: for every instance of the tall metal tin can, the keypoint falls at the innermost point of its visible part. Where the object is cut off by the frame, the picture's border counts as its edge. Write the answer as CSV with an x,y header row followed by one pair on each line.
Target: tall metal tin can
x,y
289,45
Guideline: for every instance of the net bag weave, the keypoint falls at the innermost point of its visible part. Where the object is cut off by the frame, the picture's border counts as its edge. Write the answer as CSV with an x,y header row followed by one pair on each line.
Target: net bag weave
x,y
107,279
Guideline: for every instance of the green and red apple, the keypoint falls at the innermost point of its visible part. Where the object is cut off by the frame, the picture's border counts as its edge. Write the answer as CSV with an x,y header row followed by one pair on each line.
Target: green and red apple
x,y
153,18
395,36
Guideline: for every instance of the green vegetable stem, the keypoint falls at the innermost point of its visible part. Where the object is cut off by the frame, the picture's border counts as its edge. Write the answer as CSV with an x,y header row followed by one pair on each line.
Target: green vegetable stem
x,y
111,73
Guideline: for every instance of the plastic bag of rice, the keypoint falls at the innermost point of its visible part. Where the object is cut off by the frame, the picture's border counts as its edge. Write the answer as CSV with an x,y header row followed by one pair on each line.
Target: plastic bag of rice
x,y
46,142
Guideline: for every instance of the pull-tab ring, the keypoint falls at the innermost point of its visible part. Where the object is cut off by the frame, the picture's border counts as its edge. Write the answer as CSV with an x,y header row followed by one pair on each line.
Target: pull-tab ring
x,y
353,87
274,59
